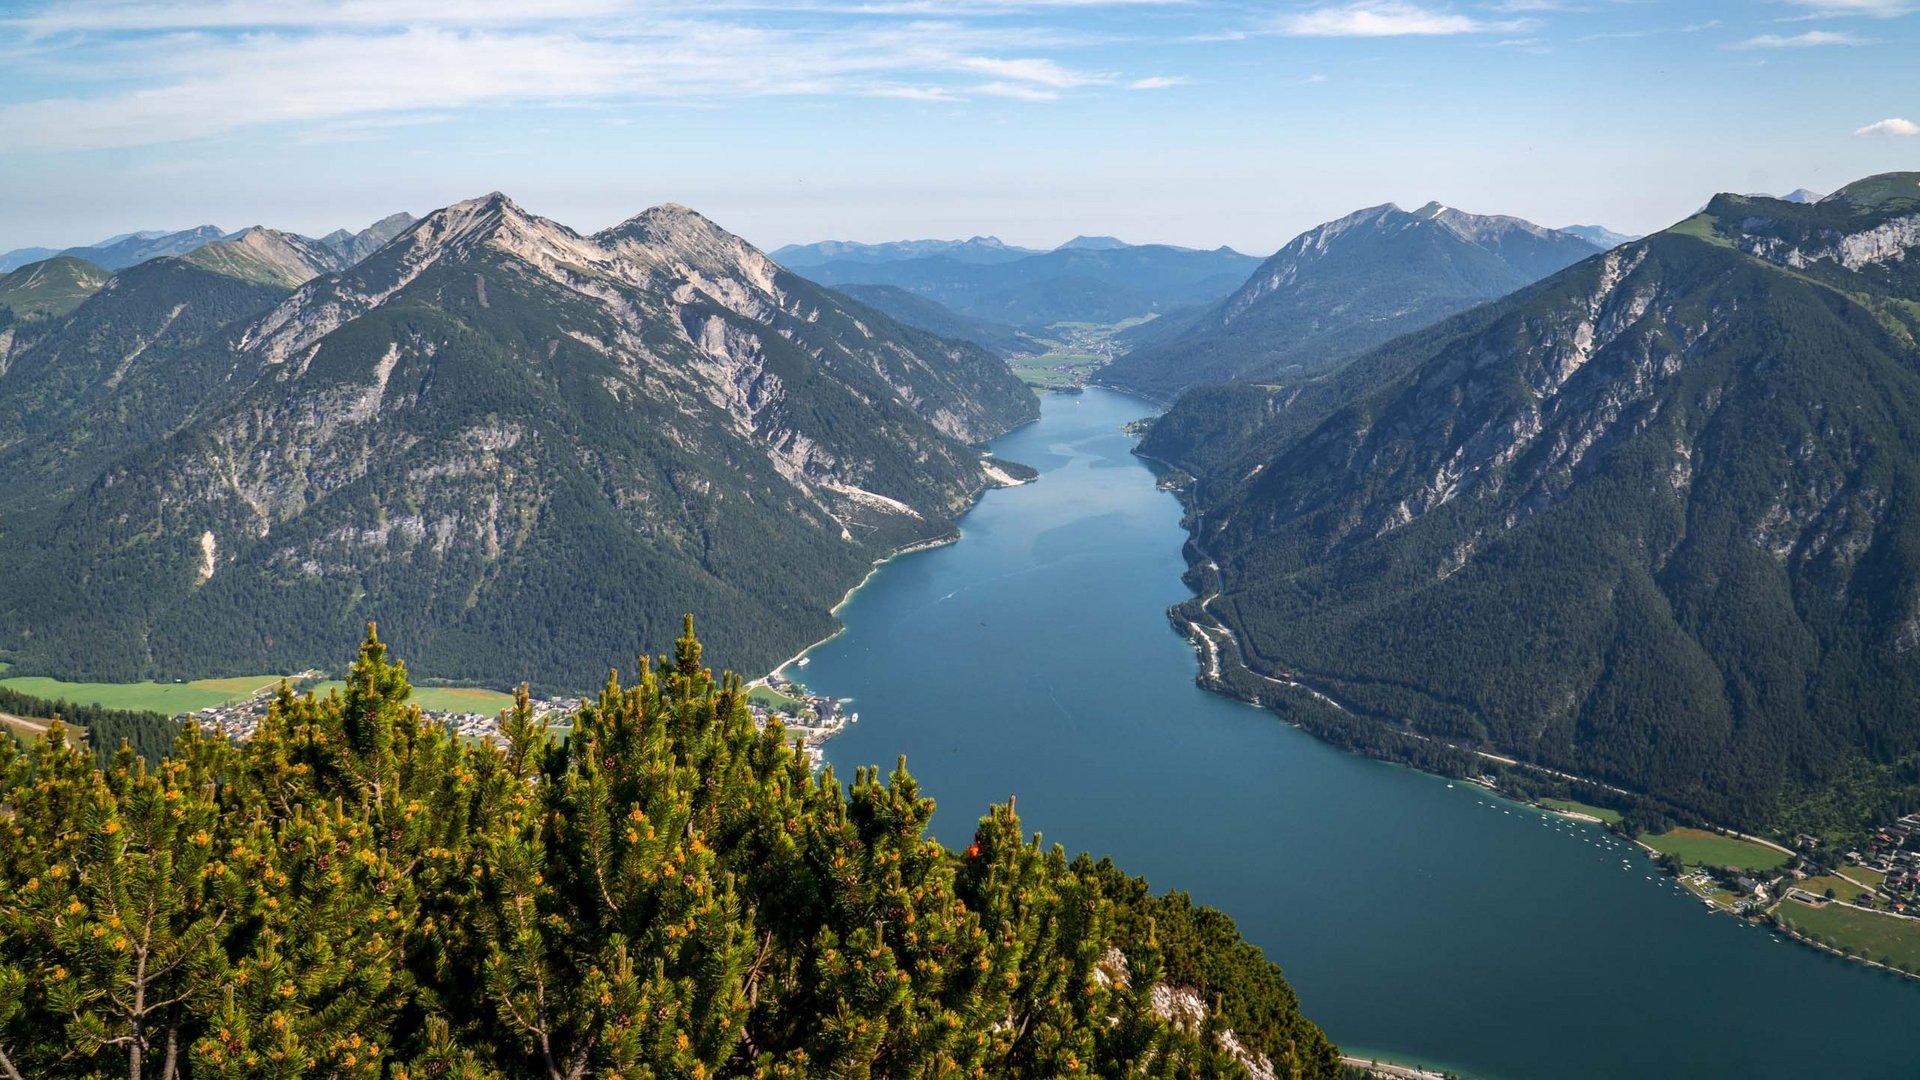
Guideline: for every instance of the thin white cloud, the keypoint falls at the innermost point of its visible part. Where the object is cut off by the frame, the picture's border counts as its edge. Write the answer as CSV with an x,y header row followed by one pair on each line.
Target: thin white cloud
x,y
1810,39
1893,125
1881,8
166,86
917,93
1157,82
1035,70
1387,18
1018,91
137,15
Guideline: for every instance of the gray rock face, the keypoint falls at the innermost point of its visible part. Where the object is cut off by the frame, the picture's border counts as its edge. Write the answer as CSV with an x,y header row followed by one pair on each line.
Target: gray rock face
x,y
493,413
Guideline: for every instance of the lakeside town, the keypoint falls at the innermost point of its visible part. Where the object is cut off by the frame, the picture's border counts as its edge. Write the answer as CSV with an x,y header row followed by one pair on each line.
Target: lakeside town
x,y
810,719
238,720
1862,904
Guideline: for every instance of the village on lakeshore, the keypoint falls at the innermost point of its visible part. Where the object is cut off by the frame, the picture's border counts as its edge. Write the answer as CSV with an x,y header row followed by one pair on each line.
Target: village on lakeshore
x,y
1862,903
239,719
809,719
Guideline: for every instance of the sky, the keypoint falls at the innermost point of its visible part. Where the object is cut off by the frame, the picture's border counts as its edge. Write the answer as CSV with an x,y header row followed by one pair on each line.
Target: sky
x,y
1195,122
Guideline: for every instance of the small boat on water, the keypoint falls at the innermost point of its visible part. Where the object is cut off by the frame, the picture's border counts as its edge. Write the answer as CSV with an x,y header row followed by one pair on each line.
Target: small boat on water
x,y
803,661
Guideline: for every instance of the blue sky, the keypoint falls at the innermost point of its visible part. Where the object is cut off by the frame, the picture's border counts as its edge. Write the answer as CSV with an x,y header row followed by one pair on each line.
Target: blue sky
x,y
1200,122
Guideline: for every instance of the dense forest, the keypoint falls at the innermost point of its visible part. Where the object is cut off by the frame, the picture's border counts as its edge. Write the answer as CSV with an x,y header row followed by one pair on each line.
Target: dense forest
x,y
665,892
149,735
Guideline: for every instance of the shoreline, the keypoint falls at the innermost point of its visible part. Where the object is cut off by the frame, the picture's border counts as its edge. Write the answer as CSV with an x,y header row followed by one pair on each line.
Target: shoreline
x,y
1396,1070
996,480
834,611
1213,682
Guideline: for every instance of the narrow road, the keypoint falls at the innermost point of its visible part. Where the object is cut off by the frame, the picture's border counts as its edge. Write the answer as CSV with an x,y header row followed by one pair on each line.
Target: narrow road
x,y
1388,1068
38,726
1239,655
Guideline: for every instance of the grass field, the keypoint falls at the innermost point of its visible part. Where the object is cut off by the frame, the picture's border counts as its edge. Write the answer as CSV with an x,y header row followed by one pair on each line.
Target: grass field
x,y
1873,878
1882,937
442,698
1697,847
166,698
1055,371
771,698
1842,888
1611,817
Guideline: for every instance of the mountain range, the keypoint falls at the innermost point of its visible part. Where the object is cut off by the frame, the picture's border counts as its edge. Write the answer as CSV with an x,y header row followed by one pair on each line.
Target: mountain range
x,y
979,249
488,428
1599,235
1086,280
1344,287
918,311
1649,521
344,247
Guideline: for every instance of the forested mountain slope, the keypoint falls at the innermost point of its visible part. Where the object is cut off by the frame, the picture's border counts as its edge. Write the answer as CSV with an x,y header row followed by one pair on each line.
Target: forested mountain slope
x,y
661,890
938,319
484,433
1651,521
120,370
1347,286
1069,284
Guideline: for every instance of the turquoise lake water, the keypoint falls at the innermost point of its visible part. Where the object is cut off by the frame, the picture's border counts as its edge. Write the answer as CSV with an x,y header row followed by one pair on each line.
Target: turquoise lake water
x,y
1417,920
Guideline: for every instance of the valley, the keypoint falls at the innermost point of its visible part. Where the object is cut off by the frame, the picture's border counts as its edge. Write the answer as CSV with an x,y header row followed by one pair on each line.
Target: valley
x,y
1371,884
1006,540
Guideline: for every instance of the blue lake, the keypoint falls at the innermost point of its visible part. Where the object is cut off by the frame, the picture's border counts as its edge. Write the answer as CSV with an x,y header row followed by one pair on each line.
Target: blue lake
x,y
1418,920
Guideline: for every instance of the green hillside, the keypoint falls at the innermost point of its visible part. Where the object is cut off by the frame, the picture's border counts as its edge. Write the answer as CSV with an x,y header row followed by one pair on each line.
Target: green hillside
x,y
49,288
1651,521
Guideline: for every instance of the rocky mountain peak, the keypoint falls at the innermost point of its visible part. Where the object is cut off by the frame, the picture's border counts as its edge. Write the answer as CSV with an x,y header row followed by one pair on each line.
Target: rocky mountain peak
x,y
685,244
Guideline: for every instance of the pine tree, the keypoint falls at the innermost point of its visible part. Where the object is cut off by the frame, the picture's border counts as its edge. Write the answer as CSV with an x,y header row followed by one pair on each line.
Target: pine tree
x,y
666,891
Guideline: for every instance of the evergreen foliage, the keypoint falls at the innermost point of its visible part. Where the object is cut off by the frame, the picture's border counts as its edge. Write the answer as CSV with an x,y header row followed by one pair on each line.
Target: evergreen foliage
x,y
666,892
148,734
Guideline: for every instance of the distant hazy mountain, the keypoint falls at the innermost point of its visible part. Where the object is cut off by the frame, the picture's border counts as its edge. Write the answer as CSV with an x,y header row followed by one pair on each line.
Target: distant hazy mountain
x,y
1346,286
1099,285
980,249
493,423
934,318
128,249
123,251
354,246
1599,235
1094,243
1802,195
1650,520
19,257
